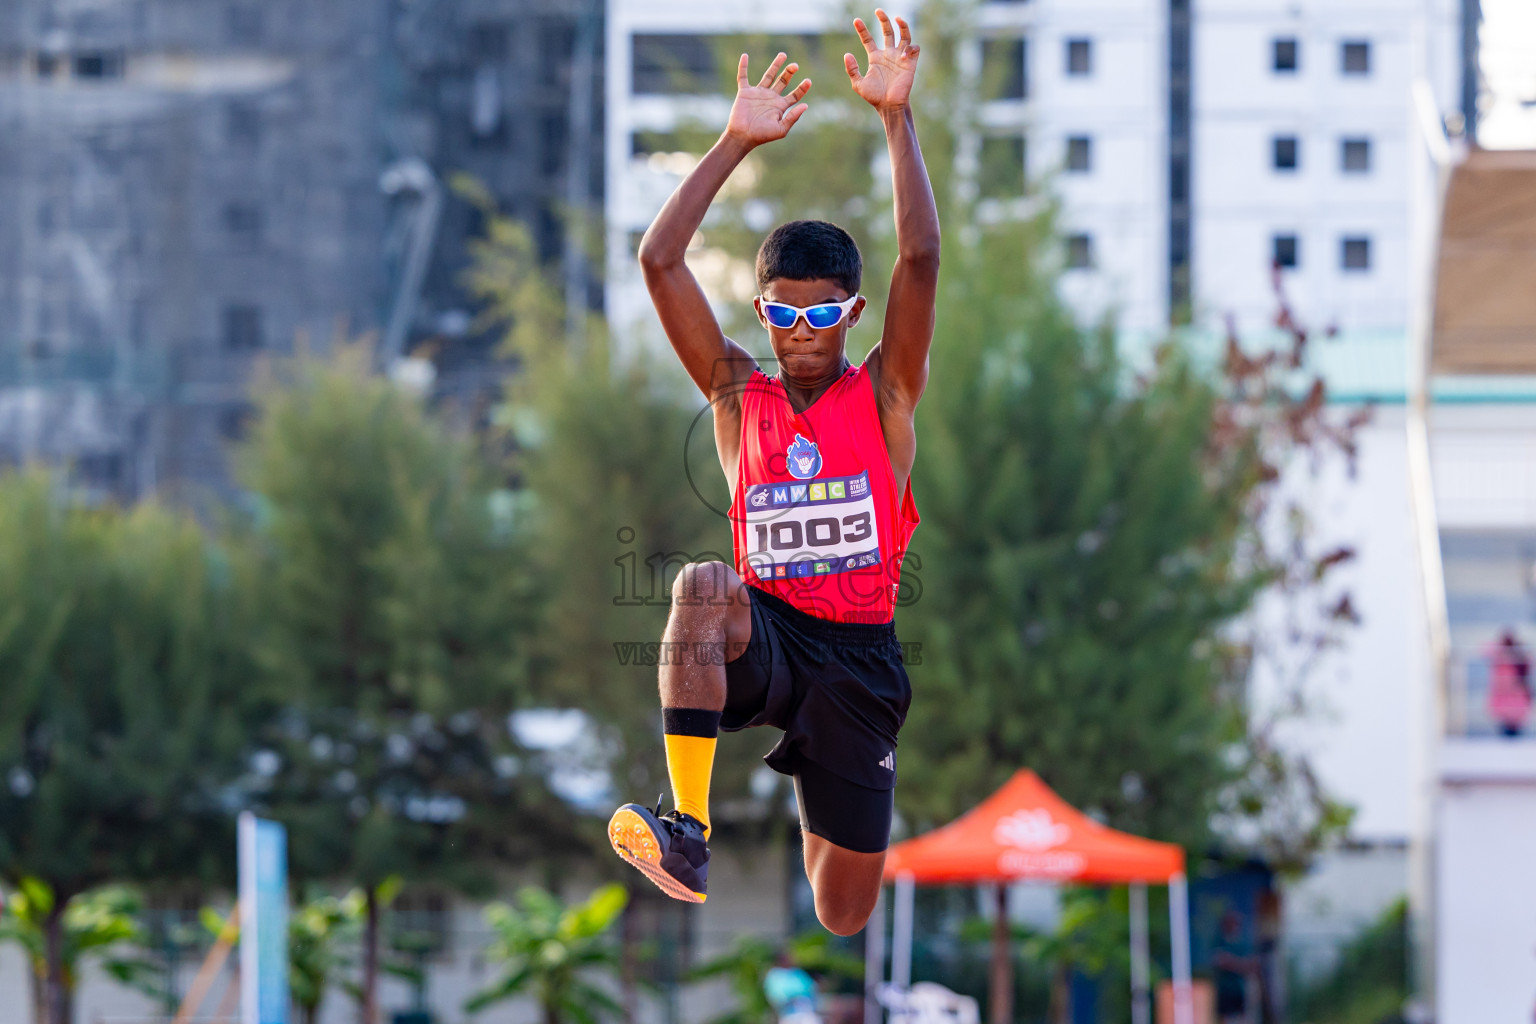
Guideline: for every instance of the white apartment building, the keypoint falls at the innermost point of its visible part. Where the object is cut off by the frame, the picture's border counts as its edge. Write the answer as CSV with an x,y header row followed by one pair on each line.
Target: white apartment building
x,y
1301,122
1091,106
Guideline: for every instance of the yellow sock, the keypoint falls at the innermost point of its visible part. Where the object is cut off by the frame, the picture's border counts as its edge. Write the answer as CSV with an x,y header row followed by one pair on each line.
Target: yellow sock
x,y
690,736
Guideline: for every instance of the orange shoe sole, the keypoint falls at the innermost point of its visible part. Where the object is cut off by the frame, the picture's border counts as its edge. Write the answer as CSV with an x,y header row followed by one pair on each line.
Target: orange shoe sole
x,y
634,841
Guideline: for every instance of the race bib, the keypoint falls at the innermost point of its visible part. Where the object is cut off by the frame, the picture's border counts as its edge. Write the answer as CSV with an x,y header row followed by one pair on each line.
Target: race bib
x,y
811,527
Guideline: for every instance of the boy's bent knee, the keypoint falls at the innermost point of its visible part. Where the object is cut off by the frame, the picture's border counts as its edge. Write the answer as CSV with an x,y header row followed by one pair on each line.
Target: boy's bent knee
x,y
844,913
843,920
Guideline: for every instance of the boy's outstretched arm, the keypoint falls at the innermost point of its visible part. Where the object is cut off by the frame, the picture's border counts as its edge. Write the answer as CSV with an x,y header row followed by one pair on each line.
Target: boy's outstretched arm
x,y
761,113
902,365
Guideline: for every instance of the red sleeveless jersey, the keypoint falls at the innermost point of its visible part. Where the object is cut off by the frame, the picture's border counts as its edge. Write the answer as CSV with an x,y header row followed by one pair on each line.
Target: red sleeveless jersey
x,y
815,517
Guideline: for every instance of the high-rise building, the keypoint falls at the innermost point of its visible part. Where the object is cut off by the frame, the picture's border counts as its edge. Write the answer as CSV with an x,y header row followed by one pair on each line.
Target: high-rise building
x,y
187,185
1302,116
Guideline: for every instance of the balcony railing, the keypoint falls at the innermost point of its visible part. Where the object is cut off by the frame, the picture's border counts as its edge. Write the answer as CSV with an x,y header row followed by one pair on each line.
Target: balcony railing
x,y
1468,708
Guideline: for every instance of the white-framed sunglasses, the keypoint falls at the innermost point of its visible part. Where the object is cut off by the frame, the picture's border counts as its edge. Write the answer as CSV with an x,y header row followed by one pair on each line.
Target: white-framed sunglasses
x,y
820,316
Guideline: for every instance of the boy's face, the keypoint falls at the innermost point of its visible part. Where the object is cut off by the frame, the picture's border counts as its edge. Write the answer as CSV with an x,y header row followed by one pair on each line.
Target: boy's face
x,y
804,353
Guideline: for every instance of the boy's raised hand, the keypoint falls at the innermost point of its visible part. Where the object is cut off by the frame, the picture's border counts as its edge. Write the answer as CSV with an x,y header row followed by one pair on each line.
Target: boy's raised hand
x,y
887,84
762,113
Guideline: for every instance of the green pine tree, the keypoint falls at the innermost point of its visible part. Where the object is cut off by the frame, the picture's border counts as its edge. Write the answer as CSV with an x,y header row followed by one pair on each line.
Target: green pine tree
x,y
120,722
620,486
389,590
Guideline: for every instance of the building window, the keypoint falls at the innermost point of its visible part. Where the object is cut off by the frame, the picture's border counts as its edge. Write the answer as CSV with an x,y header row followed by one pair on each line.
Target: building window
x,y
1287,152
1079,154
242,329
243,223
557,40
47,65
1080,252
1283,251
1180,34
1002,69
1285,56
1356,253
419,920
99,65
488,42
244,25
1355,156
1079,56
242,126
102,470
667,65
1355,58
1001,174
552,143
235,421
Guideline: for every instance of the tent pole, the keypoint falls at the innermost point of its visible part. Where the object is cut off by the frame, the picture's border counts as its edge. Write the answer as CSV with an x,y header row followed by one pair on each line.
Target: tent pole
x,y
1002,961
901,934
1178,914
874,959
1141,1002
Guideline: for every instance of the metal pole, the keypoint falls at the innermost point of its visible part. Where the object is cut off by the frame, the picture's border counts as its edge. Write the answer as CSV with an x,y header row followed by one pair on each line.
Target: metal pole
x,y
1431,184
578,167
1141,974
1002,961
414,176
874,960
1178,920
901,934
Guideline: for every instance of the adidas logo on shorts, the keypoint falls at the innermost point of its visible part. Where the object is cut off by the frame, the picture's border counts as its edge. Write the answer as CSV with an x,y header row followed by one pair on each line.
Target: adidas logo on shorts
x,y
889,761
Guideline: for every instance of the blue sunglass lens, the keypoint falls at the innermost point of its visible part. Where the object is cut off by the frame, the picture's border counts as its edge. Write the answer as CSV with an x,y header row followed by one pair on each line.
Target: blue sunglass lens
x,y
821,317
780,316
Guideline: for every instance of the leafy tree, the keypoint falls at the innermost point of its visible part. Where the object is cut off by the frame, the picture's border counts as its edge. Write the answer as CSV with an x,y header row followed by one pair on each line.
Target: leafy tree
x,y
747,965
388,588
619,487
120,716
555,953
319,932
102,925
1369,984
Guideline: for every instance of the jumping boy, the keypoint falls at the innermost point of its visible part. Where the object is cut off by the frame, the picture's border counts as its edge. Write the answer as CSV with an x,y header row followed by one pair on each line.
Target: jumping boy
x,y
799,634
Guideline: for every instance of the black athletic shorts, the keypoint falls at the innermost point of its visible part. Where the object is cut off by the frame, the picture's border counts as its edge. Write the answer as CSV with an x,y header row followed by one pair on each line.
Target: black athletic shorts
x,y
840,692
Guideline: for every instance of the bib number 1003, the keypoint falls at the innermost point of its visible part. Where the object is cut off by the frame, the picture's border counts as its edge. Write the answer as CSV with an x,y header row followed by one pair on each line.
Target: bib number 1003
x,y
788,534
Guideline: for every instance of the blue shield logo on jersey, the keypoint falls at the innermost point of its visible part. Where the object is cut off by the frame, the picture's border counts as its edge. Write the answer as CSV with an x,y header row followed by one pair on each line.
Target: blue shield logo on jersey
x,y
803,459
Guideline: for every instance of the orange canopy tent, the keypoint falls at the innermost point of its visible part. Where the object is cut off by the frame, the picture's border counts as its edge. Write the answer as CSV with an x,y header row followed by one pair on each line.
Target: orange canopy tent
x,y
1025,831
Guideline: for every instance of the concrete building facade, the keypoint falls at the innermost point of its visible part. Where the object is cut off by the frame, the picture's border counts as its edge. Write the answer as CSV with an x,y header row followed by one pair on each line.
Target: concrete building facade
x,y
1302,121
189,184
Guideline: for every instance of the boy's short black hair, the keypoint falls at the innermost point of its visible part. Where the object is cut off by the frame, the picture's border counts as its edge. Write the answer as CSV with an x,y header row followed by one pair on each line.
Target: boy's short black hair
x,y
804,250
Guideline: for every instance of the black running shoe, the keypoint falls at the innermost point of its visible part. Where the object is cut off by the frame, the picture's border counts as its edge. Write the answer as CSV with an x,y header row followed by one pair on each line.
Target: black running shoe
x,y
667,848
